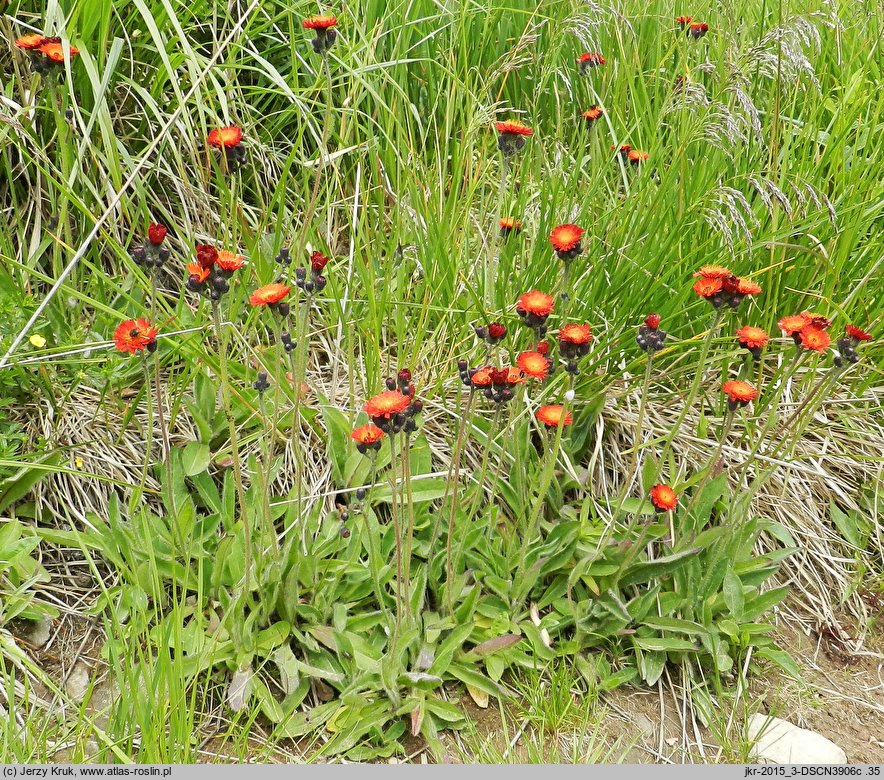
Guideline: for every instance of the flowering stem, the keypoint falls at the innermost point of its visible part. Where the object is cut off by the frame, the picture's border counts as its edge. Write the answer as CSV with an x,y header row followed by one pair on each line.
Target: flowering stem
x,y
164,432
220,334
637,436
299,370
491,267
823,381
483,470
545,481
698,375
147,386
397,529
323,151
373,554
278,377
409,536
453,479
725,432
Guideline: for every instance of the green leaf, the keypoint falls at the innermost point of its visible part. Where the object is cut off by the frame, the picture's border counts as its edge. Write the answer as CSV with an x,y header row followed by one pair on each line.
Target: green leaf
x,y
195,458
661,567
663,643
782,659
732,588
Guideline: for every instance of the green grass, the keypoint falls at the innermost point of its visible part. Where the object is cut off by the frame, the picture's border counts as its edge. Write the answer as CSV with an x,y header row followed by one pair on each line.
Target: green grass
x,y
766,160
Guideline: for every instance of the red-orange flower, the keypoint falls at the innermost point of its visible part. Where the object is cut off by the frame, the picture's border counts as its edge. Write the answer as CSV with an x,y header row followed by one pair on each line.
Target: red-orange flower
x,y
206,255
156,233
509,376
707,286
199,273
683,21
814,338
734,284
319,22
575,334
225,137
751,337
793,323
30,41
53,50
513,128
482,377
818,320
269,294
858,333
590,60
713,272
664,498
592,114
318,262
509,225
135,335
536,302
739,392
533,364
229,261
387,404
367,434
551,415
698,29
637,157
566,238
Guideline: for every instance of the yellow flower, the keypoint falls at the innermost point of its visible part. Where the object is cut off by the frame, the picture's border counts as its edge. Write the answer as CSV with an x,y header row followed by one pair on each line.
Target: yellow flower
x,y
38,341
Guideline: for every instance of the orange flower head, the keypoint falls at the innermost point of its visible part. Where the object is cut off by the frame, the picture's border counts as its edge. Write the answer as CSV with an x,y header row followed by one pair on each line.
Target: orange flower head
x,y
575,334
135,335
199,273
53,50
813,338
387,404
637,157
510,225
741,287
513,128
739,393
683,21
319,22
698,29
818,320
566,239
858,334
551,415
751,337
664,498
508,376
707,286
225,137
482,377
590,59
592,114
367,434
30,41
535,302
533,364
713,272
269,294
229,261
793,323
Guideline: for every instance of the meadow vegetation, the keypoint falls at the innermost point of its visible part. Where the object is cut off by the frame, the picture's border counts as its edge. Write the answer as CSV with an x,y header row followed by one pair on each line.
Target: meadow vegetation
x,y
358,359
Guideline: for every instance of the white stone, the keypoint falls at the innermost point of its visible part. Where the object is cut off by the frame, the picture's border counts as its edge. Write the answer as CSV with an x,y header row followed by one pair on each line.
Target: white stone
x,y
779,742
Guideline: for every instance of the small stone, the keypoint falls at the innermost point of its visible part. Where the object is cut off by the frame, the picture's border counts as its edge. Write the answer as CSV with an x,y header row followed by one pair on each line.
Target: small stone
x,y
780,742
77,682
646,726
39,632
